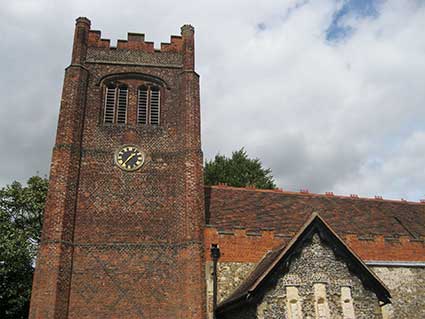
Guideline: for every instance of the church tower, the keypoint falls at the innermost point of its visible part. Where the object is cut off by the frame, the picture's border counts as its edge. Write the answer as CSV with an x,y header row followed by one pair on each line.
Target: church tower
x,y
122,234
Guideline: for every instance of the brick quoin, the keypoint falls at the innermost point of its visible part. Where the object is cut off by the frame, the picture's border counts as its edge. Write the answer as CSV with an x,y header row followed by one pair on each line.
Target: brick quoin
x,y
118,244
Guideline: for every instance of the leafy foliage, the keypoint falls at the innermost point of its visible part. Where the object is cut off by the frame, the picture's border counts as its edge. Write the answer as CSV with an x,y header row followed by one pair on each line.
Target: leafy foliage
x,y
21,214
239,171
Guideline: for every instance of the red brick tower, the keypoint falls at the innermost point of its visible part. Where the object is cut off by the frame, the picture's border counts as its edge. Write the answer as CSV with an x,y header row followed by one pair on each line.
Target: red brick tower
x,y
122,234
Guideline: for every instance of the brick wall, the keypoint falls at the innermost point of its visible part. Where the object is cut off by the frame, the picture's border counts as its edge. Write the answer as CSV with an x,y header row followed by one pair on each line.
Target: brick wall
x,y
120,244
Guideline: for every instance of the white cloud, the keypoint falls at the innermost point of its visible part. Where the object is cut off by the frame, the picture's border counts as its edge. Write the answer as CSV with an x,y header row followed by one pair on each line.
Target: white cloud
x,y
344,116
398,174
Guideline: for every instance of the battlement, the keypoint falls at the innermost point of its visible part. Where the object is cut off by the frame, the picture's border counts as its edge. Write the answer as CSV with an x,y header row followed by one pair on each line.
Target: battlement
x,y
90,47
135,41
270,232
246,245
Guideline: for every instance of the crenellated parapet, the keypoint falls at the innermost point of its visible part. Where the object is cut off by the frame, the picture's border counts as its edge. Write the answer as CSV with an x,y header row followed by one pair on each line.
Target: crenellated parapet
x,y
240,244
135,41
175,44
90,47
95,40
245,245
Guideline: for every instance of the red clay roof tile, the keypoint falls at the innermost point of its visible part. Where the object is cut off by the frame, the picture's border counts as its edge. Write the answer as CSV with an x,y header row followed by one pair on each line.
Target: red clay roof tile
x,y
285,212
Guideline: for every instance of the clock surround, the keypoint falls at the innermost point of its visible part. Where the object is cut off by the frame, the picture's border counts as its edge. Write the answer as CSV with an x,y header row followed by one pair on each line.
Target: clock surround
x,y
129,158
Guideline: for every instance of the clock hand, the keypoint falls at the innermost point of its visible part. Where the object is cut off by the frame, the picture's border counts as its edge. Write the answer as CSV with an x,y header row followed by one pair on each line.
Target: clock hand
x,y
129,158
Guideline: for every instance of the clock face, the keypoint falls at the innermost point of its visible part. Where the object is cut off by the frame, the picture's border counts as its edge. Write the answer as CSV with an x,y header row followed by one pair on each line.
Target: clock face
x,y
129,158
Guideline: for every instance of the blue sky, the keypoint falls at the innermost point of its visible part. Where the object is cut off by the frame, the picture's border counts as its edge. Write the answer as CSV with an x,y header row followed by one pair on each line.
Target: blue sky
x,y
355,8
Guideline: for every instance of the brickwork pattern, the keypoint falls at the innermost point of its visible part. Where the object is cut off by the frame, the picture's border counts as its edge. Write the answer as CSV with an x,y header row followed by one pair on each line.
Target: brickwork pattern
x,y
128,56
122,244
240,245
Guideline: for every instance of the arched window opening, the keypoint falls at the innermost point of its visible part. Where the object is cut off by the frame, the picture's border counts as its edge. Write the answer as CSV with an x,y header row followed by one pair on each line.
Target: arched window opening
x,y
142,105
109,112
118,102
122,104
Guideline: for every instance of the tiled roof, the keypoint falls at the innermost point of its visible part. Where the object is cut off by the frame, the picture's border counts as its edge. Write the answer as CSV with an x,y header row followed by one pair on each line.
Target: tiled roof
x,y
285,212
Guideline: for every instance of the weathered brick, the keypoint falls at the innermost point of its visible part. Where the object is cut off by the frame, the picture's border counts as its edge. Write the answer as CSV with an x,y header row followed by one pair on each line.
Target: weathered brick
x,y
120,244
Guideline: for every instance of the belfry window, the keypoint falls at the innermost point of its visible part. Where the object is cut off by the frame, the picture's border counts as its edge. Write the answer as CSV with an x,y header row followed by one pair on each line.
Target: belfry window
x,y
109,112
148,105
142,105
132,102
116,102
154,104
122,105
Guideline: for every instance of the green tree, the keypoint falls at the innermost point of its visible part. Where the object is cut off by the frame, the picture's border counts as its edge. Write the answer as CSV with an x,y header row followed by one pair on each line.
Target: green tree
x,y
239,171
21,215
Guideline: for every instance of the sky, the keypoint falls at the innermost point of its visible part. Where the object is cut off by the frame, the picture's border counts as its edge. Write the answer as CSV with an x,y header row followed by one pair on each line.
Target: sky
x,y
329,94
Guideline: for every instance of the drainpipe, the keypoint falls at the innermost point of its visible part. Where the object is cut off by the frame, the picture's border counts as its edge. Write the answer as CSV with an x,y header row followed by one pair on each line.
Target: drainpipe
x,y
215,255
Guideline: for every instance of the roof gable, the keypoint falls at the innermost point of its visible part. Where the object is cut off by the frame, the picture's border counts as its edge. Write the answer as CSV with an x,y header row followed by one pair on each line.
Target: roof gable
x,y
285,255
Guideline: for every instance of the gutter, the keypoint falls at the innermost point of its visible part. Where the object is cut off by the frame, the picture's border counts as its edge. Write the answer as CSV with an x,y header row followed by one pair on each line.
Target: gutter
x,y
379,263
